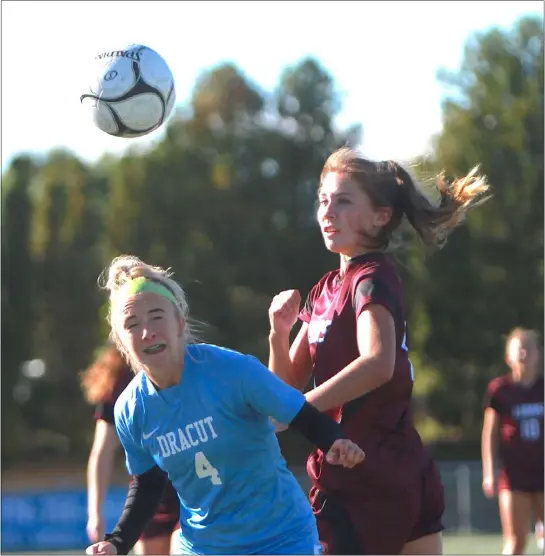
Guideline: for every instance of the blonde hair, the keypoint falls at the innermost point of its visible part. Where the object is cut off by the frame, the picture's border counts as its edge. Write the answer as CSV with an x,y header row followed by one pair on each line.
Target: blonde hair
x,y
387,184
125,268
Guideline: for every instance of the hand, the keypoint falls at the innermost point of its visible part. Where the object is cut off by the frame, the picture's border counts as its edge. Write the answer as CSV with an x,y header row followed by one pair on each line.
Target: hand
x,y
284,310
489,486
344,452
102,547
95,528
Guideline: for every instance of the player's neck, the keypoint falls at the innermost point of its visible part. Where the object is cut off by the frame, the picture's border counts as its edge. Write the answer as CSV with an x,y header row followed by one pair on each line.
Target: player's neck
x,y
346,258
166,377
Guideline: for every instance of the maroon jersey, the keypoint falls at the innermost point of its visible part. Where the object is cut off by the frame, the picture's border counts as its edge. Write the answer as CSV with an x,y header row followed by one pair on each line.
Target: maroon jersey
x,y
520,411
380,421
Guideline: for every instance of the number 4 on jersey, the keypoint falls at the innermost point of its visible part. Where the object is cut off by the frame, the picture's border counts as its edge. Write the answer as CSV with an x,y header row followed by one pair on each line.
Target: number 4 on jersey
x,y
205,469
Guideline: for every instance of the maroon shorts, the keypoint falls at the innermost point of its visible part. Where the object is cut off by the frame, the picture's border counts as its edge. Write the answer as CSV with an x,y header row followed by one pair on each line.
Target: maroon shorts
x,y
167,518
520,482
385,519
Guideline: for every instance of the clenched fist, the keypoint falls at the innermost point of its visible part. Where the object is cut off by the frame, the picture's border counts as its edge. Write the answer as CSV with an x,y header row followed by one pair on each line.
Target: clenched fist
x,y
284,310
344,452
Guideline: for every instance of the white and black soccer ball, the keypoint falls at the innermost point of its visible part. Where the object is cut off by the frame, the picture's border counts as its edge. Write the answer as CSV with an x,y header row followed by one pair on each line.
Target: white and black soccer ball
x,y
131,93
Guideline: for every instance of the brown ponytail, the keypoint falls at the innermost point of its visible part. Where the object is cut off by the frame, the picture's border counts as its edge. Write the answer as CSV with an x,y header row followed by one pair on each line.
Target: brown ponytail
x,y
434,223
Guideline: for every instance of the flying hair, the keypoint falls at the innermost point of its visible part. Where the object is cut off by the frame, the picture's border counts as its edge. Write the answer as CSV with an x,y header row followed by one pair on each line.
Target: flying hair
x,y
388,184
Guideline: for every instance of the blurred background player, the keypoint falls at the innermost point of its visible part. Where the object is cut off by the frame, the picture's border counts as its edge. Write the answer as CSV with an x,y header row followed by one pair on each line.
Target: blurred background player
x,y
353,340
103,382
512,438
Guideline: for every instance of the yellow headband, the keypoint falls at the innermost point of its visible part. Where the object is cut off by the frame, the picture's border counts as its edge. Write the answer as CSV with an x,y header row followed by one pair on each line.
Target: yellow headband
x,y
141,285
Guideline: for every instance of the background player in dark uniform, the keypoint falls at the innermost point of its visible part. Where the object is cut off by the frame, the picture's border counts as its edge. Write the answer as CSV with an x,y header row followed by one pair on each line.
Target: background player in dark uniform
x,y
103,382
354,341
513,435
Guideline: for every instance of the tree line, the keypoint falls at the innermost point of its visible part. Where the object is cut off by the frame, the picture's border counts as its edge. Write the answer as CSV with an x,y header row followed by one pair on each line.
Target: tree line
x,y
227,200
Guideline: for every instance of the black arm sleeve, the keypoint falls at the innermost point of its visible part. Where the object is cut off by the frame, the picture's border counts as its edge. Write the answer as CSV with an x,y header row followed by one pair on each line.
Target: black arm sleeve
x,y
145,492
318,428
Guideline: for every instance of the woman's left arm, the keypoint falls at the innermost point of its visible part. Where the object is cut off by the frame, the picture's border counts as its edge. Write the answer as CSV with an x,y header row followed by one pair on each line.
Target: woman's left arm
x,y
374,367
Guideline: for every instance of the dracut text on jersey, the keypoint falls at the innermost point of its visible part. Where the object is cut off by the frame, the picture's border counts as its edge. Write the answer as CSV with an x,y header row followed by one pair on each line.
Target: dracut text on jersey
x,y
193,434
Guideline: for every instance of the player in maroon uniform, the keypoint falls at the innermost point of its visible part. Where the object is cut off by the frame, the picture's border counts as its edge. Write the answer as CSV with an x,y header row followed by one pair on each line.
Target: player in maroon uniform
x,y
513,432
353,340
103,382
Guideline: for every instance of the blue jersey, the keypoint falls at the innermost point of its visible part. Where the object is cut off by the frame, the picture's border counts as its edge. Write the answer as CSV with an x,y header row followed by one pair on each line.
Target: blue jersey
x,y
212,434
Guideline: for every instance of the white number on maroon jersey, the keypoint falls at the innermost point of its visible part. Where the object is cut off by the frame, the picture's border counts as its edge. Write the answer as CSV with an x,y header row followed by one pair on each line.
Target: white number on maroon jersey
x,y
530,429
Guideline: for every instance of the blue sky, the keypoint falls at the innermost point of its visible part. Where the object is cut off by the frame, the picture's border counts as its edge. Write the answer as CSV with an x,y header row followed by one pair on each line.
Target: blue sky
x,y
384,57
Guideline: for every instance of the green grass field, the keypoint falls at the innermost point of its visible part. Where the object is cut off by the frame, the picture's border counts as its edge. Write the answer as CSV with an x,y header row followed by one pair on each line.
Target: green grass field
x,y
480,544
454,544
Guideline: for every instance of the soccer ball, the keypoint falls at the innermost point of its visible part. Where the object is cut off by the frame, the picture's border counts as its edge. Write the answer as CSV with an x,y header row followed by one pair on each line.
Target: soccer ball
x,y
132,91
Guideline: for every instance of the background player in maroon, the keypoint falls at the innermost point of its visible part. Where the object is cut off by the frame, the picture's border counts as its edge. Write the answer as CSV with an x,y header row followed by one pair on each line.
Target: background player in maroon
x,y
103,382
354,341
513,437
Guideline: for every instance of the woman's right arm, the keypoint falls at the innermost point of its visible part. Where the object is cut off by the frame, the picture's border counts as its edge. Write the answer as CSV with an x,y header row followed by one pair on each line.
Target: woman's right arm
x,y
489,449
145,492
99,472
293,365
145,489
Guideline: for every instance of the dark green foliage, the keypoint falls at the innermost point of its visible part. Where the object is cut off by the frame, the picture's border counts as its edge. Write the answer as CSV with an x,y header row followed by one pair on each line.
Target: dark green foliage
x,y
227,199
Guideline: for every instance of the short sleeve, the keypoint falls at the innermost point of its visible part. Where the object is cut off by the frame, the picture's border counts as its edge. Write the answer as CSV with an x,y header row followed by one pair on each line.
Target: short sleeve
x,y
137,459
491,397
306,312
266,393
374,290
105,412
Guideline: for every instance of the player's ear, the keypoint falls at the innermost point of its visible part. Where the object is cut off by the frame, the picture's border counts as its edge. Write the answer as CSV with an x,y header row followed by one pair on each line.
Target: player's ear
x,y
382,216
181,327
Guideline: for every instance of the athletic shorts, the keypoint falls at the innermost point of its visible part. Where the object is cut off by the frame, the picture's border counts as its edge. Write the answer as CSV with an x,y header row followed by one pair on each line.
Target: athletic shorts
x,y
383,522
520,482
